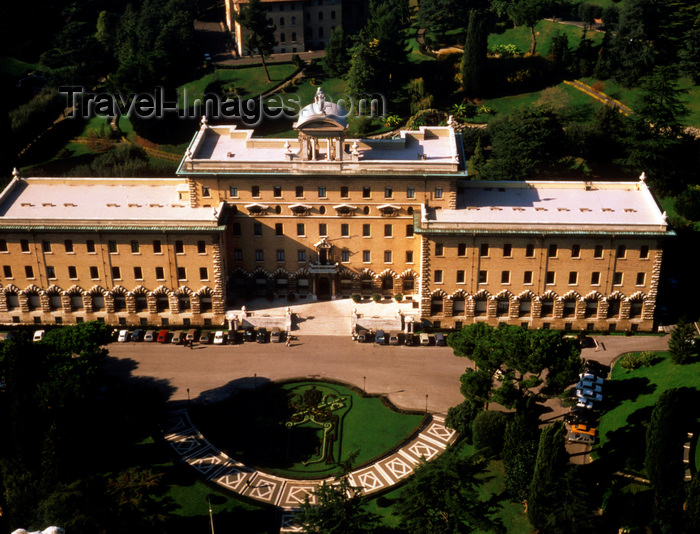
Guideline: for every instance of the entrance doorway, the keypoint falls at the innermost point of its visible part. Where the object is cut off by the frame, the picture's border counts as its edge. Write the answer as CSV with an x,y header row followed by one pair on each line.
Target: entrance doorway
x,y
323,288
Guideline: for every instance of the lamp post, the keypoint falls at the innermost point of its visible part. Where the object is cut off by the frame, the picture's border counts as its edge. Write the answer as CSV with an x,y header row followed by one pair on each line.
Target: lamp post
x,y
188,396
364,384
426,403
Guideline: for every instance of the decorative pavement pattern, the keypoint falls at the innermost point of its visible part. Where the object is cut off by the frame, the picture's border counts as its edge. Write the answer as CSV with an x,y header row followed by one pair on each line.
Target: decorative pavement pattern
x,y
286,493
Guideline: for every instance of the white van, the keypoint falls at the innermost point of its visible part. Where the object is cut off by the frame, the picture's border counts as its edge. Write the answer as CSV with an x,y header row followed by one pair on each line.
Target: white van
x,y
220,337
424,339
39,335
123,336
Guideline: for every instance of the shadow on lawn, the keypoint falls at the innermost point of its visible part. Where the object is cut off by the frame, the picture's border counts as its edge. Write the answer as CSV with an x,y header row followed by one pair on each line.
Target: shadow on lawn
x,y
618,392
625,447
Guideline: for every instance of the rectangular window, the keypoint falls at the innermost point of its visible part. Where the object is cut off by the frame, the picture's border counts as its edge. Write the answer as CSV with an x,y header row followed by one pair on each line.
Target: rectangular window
x,y
438,192
527,277
439,249
50,272
160,273
46,245
157,248
530,251
72,272
484,250
344,230
460,277
505,277
595,279
277,191
135,247
299,191
388,230
301,256
598,251
410,192
321,191
573,278
409,256
345,256
409,230
483,277
621,252
138,273
181,273
112,247
365,256
322,229
255,190
301,230
549,277
3,245
366,230
552,252
179,247
259,255
279,229
641,278
29,271
388,192
116,273
280,254
387,256
575,251
617,279
233,191
203,273
257,229
7,271
68,243
236,229
206,191
366,192
438,276
201,247
95,273
507,250
644,252
344,191
24,245
238,255
462,249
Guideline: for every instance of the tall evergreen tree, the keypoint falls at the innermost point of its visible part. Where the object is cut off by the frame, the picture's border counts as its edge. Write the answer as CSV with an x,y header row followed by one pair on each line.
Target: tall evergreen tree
x,y
260,35
473,68
550,466
520,443
337,59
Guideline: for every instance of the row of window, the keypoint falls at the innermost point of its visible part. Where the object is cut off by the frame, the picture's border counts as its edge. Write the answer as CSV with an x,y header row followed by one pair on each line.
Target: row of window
x,y
321,190
322,230
95,273
301,256
553,251
47,246
550,278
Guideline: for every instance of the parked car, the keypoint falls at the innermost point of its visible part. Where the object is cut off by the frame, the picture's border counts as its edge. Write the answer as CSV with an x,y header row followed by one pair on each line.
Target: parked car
x,y
191,335
581,438
593,389
410,339
261,336
150,335
363,336
589,394
424,339
163,336
276,335
249,334
582,428
123,336
205,338
137,335
578,415
179,337
584,403
440,339
380,337
236,337
219,337
393,338
39,335
592,377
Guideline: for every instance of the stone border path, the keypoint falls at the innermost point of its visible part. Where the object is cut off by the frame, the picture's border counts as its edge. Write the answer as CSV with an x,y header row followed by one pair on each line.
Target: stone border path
x,y
286,493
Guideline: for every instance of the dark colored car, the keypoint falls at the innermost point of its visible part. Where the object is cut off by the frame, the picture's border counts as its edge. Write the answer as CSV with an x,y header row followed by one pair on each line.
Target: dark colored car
x,y
410,339
206,338
261,336
439,339
249,334
380,338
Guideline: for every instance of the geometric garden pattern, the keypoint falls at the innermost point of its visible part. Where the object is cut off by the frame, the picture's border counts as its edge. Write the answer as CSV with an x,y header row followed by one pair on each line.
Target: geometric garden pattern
x,y
286,493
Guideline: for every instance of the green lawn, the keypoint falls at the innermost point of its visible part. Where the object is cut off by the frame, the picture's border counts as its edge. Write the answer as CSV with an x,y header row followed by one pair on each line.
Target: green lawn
x,y
544,32
17,68
630,397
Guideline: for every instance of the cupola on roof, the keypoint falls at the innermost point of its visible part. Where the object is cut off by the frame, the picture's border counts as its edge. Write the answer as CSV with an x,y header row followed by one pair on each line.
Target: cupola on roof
x,y
321,116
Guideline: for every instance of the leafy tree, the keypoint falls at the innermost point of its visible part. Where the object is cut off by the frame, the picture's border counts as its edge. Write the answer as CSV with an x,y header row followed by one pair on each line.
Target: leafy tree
x,y
560,53
439,16
529,13
524,143
680,345
462,416
688,203
339,509
385,32
550,466
663,459
362,73
337,58
489,428
260,35
442,496
473,68
588,13
420,98
136,493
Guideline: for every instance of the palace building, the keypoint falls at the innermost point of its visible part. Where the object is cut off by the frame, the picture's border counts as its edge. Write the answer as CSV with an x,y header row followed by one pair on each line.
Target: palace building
x,y
321,217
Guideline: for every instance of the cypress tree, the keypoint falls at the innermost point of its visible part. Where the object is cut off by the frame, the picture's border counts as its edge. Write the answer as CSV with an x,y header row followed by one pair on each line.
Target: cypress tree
x,y
474,58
